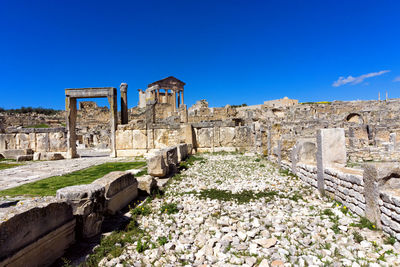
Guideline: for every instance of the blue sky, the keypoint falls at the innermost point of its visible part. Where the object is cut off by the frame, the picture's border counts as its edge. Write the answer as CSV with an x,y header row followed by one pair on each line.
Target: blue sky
x,y
228,52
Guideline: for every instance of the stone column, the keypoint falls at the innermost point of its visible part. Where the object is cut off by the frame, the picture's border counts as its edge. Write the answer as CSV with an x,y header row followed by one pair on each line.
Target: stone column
x,y
269,144
392,142
279,152
70,107
377,179
112,99
331,151
174,100
158,96
182,98
124,103
179,99
166,96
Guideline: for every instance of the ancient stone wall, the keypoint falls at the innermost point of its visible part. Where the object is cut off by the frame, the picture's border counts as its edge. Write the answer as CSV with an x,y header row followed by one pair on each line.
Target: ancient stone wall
x,y
37,139
371,192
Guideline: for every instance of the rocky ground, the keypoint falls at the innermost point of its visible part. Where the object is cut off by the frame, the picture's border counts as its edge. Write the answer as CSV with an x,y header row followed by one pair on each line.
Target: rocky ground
x,y
236,210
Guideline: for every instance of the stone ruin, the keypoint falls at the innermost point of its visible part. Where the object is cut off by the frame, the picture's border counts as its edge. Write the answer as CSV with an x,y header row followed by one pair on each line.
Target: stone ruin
x,y
347,150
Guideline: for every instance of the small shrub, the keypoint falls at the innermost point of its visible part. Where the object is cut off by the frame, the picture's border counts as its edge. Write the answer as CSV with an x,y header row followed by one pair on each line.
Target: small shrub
x,y
328,212
141,210
169,208
364,223
162,240
390,240
142,246
357,237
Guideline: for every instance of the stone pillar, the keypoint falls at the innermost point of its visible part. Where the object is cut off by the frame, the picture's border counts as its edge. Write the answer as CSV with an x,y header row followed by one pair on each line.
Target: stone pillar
x,y
376,179
331,150
174,100
269,144
124,103
179,99
158,96
392,141
113,121
279,152
182,98
166,96
70,107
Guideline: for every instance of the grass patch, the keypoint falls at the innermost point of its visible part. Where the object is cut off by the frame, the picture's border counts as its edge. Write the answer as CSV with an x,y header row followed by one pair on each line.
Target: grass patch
x,y
108,247
357,237
184,165
49,186
4,166
143,210
390,240
169,208
42,125
364,223
243,197
286,172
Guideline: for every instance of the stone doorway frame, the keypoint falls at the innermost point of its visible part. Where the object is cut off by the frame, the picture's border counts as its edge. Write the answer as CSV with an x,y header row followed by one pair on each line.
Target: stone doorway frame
x,y
71,95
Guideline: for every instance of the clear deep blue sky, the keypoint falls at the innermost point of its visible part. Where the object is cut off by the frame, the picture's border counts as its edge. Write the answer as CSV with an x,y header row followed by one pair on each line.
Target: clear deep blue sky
x,y
228,52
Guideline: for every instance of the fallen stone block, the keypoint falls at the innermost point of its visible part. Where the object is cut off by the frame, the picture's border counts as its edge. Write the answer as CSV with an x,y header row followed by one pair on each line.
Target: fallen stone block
x,y
88,204
120,189
170,155
24,158
147,183
14,153
37,156
35,232
182,152
54,156
156,166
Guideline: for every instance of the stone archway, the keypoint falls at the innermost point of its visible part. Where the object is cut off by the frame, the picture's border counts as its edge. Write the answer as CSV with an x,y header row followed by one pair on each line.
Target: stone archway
x,y
71,95
355,118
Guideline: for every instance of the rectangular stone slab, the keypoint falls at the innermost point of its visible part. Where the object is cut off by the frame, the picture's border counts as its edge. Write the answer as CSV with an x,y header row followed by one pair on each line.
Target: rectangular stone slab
x,y
45,250
30,222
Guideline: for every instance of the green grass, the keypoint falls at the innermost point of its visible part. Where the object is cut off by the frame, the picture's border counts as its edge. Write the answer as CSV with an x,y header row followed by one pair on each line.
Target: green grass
x,y
8,165
184,165
169,208
364,223
42,125
49,186
243,197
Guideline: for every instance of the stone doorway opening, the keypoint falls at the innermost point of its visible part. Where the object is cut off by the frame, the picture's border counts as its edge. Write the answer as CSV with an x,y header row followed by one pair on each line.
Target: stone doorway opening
x,y
71,96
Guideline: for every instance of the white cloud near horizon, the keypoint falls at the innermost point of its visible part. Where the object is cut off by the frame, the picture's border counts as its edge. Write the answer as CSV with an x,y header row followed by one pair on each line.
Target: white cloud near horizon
x,y
356,80
397,79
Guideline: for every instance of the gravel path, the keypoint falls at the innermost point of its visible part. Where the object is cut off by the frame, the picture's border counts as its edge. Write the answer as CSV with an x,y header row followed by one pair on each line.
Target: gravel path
x,y
286,223
36,170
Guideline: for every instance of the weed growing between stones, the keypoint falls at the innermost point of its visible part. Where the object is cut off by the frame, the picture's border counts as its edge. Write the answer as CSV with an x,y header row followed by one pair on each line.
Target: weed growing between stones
x,y
169,208
364,223
243,197
184,165
8,165
390,240
357,237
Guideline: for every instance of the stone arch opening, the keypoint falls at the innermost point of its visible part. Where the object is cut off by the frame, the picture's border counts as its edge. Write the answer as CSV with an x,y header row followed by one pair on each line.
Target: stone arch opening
x,y
278,112
355,118
390,182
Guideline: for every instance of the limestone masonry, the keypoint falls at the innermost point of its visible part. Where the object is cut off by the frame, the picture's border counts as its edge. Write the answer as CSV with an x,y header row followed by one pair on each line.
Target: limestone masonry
x,y
344,149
